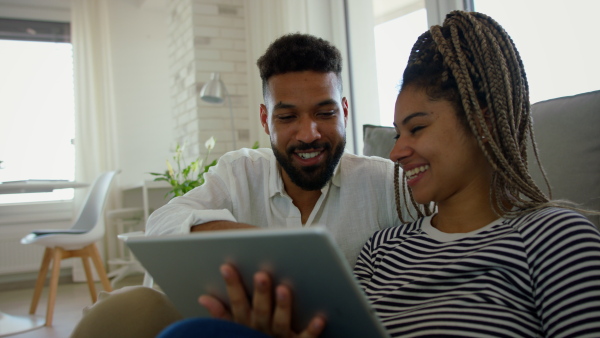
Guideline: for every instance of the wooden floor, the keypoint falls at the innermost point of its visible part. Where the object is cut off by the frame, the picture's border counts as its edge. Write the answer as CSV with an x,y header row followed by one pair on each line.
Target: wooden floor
x,y
70,300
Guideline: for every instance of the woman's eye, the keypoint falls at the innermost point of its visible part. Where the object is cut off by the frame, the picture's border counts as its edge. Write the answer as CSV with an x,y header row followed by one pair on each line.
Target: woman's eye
x,y
396,137
416,129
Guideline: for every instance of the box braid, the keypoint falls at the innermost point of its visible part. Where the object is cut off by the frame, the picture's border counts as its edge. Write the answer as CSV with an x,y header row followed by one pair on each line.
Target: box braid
x,y
472,62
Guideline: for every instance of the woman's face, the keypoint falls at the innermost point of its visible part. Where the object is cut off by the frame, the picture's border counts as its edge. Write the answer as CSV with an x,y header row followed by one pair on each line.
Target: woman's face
x,y
441,159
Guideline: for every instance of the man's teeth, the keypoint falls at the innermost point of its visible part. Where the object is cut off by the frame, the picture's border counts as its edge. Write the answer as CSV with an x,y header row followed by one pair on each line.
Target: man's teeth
x,y
308,155
415,171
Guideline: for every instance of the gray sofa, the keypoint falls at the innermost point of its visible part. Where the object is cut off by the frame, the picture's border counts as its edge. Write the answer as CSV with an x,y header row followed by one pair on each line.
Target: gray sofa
x,y
567,132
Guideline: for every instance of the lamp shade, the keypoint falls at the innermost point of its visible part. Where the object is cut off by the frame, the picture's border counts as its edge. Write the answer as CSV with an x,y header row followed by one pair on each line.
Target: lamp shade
x,y
214,90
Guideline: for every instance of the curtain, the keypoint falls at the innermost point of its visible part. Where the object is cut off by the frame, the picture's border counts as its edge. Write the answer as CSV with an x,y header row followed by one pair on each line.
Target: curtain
x,y
95,117
95,128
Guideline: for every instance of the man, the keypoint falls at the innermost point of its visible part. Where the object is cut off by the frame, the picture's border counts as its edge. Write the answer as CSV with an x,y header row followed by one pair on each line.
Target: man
x,y
304,180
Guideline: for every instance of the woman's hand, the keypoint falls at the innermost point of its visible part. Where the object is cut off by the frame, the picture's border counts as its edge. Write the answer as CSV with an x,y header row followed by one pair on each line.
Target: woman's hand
x,y
260,315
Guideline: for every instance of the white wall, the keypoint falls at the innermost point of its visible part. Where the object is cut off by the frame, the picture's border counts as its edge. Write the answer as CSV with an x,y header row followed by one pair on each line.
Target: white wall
x,y
140,71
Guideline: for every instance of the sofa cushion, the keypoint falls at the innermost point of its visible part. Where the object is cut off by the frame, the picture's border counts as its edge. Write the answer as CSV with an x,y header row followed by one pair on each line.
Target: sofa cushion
x,y
378,140
567,132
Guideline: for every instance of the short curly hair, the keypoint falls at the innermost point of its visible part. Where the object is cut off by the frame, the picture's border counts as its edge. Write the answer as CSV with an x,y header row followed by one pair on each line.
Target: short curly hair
x,y
299,52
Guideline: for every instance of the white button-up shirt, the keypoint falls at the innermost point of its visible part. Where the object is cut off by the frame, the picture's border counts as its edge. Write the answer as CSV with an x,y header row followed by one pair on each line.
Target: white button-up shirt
x,y
246,186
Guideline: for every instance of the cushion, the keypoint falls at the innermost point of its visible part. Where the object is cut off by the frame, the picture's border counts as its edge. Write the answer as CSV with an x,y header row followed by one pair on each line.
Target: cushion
x,y
378,140
567,132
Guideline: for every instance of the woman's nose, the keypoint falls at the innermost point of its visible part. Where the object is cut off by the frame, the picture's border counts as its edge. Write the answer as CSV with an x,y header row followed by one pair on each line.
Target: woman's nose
x,y
401,150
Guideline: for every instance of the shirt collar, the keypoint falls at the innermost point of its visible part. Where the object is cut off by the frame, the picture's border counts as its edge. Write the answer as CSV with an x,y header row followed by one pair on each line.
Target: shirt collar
x,y
276,182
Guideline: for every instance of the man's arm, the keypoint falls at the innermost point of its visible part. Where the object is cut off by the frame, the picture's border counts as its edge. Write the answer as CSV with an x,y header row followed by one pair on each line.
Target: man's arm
x,y
221,225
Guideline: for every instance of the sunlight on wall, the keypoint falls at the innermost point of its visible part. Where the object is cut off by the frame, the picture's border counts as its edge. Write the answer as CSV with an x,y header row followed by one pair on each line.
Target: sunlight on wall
x,y
393,42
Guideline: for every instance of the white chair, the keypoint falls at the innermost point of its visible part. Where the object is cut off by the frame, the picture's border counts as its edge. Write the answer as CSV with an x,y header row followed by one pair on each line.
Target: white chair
x,y
77,241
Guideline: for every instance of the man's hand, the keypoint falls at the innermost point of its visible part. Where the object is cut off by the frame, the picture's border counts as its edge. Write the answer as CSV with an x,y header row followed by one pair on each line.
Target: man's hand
x,y
259,315
221,225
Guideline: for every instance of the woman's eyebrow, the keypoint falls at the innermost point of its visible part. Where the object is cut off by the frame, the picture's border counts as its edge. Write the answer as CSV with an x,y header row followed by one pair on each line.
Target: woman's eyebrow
x,y
412,116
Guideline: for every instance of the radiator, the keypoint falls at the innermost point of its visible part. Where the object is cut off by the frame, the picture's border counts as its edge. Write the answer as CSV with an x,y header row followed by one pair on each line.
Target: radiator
x,y
16,257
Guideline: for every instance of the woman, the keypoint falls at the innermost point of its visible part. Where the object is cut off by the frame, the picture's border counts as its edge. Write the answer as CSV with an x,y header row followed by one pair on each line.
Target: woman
x,y
490,254
497,257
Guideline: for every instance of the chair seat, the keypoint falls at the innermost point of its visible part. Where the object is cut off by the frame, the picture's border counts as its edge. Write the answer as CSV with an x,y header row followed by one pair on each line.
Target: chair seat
x,y
58,232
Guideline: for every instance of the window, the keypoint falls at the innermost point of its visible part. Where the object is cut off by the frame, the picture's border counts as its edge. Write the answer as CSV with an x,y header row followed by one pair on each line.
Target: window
x,y
36,106
557,41
393,42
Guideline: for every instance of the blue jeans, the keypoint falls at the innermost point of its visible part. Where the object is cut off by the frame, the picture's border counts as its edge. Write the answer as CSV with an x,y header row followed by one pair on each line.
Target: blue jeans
x,y
209,328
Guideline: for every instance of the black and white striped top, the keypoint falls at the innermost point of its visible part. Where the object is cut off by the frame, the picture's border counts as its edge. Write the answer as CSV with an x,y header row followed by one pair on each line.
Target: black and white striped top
x,y
535,275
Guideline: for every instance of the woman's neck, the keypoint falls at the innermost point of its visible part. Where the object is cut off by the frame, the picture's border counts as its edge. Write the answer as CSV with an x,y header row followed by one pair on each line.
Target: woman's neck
x,y
467,211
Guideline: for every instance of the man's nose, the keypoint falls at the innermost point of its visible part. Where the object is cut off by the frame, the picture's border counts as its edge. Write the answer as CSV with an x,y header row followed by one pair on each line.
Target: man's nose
x,y
308,131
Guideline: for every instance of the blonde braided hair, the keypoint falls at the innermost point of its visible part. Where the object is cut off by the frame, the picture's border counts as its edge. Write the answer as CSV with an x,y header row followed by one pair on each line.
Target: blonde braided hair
x,y
472,62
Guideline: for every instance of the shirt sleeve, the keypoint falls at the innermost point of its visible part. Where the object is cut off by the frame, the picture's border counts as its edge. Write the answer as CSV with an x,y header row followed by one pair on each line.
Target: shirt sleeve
x,y
363,269
564,253
208,202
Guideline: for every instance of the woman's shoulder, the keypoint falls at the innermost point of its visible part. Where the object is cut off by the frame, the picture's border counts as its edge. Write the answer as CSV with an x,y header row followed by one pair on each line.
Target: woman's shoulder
x,y
553,222
552,216
384,235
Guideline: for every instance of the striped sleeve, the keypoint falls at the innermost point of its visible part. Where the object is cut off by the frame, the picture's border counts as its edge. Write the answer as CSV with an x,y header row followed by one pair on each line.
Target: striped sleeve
x,y
564,258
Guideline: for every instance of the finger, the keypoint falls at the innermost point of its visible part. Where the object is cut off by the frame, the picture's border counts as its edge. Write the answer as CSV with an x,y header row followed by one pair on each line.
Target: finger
x,y
239,305
215,307
262,302
281,326
314,328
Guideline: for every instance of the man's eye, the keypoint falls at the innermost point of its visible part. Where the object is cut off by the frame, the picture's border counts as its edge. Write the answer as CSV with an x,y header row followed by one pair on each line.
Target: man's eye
x,y
285,117
396,137
326,113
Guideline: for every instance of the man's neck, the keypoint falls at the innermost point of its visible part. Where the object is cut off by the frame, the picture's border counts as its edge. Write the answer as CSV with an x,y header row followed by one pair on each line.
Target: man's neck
x,y
304,200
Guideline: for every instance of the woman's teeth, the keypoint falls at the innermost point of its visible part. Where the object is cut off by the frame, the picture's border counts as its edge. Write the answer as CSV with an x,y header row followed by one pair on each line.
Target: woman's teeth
x,y
410,174
308,155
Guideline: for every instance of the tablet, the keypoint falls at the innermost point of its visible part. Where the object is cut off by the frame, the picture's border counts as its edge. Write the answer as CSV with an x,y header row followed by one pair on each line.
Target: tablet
x,y
308,260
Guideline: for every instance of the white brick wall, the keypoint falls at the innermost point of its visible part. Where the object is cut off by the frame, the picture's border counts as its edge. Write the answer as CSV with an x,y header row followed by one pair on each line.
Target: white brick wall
x,y
208,36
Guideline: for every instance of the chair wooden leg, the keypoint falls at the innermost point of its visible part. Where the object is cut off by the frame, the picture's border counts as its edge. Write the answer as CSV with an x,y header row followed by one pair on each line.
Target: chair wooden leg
x,y
39,284
95,254
89,277
58,255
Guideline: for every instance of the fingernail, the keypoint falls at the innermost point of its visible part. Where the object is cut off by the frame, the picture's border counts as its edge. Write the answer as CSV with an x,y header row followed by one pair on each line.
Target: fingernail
x,y
280,295
225,273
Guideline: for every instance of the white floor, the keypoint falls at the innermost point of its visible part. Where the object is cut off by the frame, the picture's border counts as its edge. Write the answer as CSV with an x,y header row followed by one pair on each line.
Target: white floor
x,y
70,300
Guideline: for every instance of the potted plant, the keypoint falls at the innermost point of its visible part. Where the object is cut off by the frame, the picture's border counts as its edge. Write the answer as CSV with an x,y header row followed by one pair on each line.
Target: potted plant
x,y
184,177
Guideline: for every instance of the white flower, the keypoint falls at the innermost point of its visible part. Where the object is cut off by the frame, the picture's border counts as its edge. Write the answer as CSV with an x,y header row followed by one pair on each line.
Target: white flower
x,y
210,143
170,169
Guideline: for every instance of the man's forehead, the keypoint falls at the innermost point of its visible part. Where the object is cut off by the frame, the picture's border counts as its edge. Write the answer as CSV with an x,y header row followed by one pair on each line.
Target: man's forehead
x,y
307,85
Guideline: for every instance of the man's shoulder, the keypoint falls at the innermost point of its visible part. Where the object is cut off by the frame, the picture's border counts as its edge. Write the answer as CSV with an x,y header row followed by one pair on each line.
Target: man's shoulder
x,y
247,155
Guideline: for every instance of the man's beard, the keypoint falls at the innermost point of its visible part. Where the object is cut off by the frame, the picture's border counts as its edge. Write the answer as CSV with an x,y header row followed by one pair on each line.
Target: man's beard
x,y
311,177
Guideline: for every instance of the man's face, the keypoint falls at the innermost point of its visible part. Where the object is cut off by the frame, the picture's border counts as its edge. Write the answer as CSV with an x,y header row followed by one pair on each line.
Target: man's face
x,y
305,117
